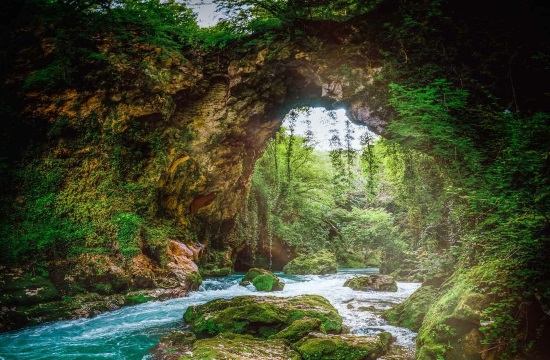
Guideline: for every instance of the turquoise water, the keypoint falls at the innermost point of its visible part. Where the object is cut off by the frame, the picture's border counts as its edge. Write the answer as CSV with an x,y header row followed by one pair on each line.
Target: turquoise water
x,y
129,333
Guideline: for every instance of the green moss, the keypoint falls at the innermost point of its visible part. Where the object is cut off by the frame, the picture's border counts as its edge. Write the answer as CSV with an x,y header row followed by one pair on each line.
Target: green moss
x,y
322,262
28,290
193,281
260,316
86,305
450,326
237,347
343,347
298,329
174,345
134,299
263,280
372,282
412,311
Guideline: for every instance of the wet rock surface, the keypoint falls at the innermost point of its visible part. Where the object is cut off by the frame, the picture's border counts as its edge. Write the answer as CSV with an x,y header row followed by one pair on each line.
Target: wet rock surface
x,y
372,282
91,284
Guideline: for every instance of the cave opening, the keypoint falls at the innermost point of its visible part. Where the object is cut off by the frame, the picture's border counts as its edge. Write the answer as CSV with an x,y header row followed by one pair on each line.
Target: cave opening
x,y
314,167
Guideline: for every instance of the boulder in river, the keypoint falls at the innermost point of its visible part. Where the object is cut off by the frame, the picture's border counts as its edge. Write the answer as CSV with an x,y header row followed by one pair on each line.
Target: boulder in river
x,y
345,347
319,263
268,328
263,280
240,347
174,345
260,316
372,282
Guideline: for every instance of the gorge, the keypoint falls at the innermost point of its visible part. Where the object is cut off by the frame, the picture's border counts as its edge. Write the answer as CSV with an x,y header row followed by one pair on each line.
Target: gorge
x,y
131,140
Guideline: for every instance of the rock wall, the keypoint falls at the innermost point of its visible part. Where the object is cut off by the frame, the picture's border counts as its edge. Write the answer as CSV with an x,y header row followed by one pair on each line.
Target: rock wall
x,y
240,110
176,144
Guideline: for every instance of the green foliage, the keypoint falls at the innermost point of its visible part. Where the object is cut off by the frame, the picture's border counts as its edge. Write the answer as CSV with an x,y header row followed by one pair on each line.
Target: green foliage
x,y
293,11
33,230
300,197
98,42
319,263
128,233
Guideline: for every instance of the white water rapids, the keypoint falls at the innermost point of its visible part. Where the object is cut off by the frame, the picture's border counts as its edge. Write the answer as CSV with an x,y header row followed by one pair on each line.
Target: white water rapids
x,y
129,333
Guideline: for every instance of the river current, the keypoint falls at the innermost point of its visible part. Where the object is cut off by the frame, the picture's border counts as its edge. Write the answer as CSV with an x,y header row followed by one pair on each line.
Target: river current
x,y
129,333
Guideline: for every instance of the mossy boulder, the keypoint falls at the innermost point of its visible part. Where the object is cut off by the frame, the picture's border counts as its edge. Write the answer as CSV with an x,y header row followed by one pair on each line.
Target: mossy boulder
x,y
451,326
240,347
263,280
372,282
319,263
412,311
260,316
343,347
299,329
174,345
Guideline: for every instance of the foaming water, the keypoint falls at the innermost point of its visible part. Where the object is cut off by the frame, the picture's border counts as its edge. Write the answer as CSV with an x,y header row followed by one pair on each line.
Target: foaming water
x,y
130,332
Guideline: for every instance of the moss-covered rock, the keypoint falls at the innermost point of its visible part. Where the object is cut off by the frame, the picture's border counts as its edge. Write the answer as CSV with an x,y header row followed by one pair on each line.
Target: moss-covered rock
x,y
263,280
240,347
174,345
412,311
372,282
450,329
343,347
260,316
298,329
27,290
320,263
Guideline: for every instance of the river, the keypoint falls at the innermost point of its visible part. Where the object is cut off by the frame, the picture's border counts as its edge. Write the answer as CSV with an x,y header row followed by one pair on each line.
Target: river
x,y
129,333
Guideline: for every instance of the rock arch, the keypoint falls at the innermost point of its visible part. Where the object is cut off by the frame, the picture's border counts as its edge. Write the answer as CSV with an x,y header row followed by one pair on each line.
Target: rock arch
x,y
241,108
